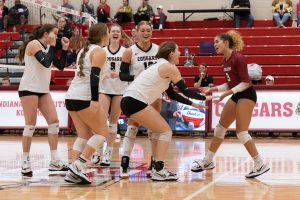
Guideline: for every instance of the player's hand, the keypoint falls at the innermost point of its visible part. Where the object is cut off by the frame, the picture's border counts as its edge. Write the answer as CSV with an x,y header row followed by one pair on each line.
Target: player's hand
x,y
114,74
206,90
105,76
65,43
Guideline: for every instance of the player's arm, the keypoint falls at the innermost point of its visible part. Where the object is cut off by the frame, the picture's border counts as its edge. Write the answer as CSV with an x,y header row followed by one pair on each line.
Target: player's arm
x,y
124,73
46,59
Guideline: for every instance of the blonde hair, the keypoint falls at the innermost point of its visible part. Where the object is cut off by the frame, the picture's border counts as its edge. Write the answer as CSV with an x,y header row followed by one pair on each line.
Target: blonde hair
x,y
234,39
123,34
96,34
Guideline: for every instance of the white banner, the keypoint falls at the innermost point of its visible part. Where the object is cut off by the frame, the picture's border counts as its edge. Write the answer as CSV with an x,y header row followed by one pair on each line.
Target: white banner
x,y
274,110
11,112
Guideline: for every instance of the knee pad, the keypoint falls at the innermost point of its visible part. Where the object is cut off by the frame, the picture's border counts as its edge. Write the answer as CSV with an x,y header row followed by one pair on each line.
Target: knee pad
x,y
96,141
131,132
166,136
79,144
220,131
53,128
28,130
113,128
244,137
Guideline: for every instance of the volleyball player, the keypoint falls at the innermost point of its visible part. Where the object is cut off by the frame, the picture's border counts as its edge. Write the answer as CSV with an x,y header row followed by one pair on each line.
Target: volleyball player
x,y
89,118
148,87
111,92
238,108
39,55
136,59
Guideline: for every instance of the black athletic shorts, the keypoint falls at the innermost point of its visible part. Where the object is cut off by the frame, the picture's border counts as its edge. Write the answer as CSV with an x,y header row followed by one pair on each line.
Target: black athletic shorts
x,y
77,105
246,94
129,106
28,93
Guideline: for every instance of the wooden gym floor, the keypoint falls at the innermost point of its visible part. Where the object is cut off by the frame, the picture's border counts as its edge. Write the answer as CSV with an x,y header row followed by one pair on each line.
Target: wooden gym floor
x,y
226,181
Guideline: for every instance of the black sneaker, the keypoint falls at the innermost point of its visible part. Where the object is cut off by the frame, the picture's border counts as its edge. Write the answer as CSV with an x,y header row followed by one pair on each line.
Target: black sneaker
x,y
124,167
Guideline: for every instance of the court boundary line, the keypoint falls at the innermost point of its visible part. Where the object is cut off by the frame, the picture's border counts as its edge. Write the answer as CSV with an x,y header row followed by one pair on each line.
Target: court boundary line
x,y
197,192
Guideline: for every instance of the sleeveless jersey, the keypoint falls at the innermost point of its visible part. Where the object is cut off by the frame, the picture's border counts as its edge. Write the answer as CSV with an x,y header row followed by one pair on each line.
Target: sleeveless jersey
x,y
36,77
113,62
80,88
141,59
148,86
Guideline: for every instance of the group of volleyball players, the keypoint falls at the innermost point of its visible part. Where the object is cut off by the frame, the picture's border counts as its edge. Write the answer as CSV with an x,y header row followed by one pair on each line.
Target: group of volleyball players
x,y
109,79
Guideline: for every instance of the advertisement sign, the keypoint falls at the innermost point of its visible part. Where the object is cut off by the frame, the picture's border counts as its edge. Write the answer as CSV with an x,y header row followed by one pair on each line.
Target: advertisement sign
x,y
274,110
12,115
179,116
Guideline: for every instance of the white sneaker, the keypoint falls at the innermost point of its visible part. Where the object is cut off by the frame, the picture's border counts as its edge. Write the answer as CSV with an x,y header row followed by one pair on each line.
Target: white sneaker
x,y
106,159
163,175
26,169
96,158
72,178
58,165
124,172
258,171
80,173
201,165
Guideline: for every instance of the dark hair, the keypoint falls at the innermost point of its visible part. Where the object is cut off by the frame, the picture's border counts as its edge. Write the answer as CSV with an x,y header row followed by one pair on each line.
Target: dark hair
x,y
142,23
234,39
37,33
6,78
165,49
96,33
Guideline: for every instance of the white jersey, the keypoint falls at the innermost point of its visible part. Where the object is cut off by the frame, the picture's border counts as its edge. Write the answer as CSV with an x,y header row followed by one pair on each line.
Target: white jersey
x,y
113,62
80,88
36,77
141,59
148,86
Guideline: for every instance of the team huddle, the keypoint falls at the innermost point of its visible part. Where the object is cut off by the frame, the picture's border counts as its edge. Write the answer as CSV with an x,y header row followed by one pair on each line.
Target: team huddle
x,y
111,79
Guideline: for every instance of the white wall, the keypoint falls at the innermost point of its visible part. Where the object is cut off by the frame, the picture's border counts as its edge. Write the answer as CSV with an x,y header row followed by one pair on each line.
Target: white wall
x,y
261,9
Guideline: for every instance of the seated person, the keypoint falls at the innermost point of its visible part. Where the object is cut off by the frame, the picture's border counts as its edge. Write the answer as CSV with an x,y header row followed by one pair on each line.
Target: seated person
x,y
76,43
103,12
242,15
5,81
17,15
203,79
159,19
144,13
87,8
3,14
282,11
69,17
124,13
298,12
63,31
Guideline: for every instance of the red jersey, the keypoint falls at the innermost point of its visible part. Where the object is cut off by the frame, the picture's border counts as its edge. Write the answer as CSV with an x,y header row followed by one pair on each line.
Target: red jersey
x,y
235,69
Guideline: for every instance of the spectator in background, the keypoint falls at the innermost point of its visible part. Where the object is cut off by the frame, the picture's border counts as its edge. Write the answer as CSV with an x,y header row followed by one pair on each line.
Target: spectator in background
x,y
134,35
124,13
242,15
87,8
159,19
269,80
3,14
76,43
203,79
298,13
103,12
282,11
63,31
5,81
17,15
144,12
69,6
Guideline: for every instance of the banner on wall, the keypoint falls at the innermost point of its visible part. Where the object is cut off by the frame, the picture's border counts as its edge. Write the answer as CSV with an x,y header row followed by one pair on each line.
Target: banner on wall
x,y
274,110
12,115
179,116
